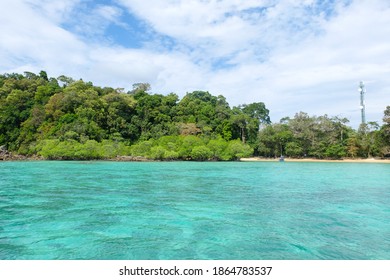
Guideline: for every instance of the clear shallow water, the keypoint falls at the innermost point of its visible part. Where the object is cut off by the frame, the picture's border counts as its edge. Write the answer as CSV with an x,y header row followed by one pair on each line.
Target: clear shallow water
x,y
193,210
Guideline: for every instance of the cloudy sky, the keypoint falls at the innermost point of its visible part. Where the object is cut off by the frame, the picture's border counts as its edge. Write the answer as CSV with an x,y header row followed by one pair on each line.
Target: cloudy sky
x,y
293,55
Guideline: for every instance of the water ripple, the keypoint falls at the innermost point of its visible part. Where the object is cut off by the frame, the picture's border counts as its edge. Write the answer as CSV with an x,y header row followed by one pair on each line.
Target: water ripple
x,y
187,210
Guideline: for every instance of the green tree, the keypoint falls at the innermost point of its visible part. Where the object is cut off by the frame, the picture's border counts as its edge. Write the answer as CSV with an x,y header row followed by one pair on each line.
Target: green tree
x,y
384,134
335,151
353,147
201,153
293,149
65,80
302,127
188,144
14,110
197,107
240,122
282,136
247,120
217,148
153,119
236,150
267,146
140,89
157,152
43,75
369,139
65,118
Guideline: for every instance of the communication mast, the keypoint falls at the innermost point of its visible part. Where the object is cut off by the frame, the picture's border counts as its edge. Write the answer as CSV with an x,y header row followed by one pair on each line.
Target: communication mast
x,y
362,91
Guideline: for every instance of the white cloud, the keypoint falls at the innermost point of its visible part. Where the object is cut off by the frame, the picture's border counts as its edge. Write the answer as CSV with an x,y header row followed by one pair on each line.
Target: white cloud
x,y
57,11
163,71
293,55
28,37
353,47
216,28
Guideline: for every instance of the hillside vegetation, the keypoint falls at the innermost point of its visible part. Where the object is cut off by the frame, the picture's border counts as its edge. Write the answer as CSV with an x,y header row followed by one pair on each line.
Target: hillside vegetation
x,y
63,118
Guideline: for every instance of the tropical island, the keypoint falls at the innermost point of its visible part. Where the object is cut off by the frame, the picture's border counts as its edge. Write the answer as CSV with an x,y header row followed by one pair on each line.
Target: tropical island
x,y
66,119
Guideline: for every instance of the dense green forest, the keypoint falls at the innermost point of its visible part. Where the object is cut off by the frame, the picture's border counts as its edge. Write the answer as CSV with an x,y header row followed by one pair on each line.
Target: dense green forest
x,y
63,118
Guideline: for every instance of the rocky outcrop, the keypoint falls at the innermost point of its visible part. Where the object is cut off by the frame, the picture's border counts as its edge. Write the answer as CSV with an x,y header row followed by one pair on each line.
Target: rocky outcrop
x,y
130,158
6,155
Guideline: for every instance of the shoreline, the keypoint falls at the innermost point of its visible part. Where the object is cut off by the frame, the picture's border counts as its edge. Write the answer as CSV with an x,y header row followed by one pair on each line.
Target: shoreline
x,y
347,160
250,159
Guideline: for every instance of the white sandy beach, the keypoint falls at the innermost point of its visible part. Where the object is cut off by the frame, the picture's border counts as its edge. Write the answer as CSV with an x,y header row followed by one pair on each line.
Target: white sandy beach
x,y
369,160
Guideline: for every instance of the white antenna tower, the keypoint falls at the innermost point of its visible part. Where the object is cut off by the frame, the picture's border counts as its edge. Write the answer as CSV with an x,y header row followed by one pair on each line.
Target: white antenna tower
x,y
362,91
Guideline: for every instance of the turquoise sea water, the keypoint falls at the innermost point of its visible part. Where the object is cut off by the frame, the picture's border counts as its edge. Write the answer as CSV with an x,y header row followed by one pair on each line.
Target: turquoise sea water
x,y
194,210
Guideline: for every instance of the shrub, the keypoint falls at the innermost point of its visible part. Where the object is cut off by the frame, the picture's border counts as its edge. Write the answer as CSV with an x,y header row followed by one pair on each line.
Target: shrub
x,y
201,153
236,149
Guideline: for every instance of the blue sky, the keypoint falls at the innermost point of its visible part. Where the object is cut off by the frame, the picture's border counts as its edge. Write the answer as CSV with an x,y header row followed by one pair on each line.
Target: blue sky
x,y
293,55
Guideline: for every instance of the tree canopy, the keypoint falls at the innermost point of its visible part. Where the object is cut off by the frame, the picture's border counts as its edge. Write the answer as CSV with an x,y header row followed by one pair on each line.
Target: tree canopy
x,y
64,118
